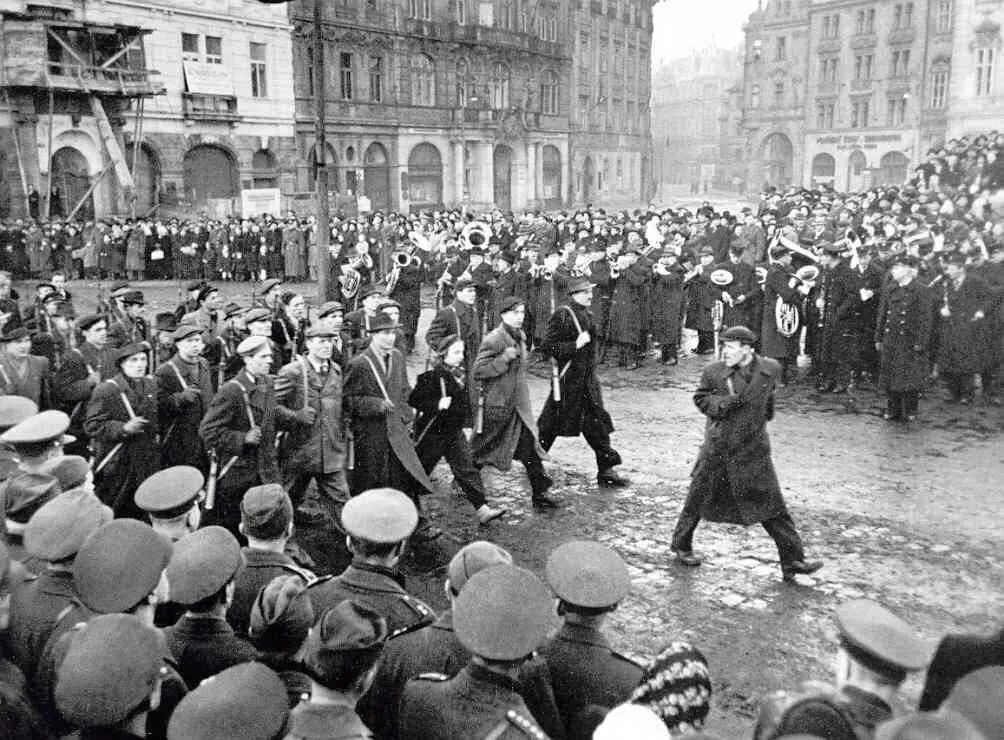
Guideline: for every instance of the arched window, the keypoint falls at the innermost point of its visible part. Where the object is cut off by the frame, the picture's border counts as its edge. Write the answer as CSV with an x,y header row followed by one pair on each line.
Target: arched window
x,y
464,83
500,86
423,81
549,93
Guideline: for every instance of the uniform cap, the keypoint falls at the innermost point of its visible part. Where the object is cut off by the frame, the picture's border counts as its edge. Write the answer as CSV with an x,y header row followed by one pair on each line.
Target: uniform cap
x,y
169,492
879,639
61,526
474,558
14,335
252,345
503,613
328,308
381,321
371,289
318,330
244,702
26,493
266,511
111,667
257,314
86,322
184,331
203,562
231,309
380,515
128,350
119,565
70,470
134,297
738,334
42,429
206,291
346,627
267,285
508,304
281,615
14,410
579,284
587,574
463,284
979,698
119,288
928,726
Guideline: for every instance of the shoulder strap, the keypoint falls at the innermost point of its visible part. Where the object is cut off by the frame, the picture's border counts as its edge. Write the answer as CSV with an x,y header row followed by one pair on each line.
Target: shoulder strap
x,y
306,387
184,385
122,395
578,326
247,402
456,319
379,380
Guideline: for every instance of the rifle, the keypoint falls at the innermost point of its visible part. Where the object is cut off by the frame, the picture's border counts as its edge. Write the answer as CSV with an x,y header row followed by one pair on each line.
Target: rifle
x,y
555,380
214,474
479,417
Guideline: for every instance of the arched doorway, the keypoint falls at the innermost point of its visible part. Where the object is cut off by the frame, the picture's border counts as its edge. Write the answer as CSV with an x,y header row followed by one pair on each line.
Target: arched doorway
x,y
210,174
331,159
425,177
778,155
70,181
588,177
146,178
264,172
551,176
376,176
893,167
502,167
856,165
824,169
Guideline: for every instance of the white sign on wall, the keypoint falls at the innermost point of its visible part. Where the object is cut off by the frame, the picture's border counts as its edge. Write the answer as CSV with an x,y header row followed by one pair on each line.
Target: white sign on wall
x,y
255,202
208,79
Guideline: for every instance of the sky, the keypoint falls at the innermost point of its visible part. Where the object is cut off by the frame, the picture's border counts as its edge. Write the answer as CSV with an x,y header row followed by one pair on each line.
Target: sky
x,y
682,26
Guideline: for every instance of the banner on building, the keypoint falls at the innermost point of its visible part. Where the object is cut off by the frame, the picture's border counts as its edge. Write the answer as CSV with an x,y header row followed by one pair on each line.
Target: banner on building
x,y
255,202
208,79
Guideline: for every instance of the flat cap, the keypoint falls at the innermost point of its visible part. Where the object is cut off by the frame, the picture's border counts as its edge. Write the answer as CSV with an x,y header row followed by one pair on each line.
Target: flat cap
x,y
203,562
134,297
380,515
381,322
979,697
86,322
257,314
61,526
244,702
267,285
252,345
119,288
169,492
119,565
193,285
281,615
577,285
111,666
318,330
266,511
738,334
329,307
503,613
14,335
128,350
587,574
26,493
14,410
165,321
43,428
206,291
876,637
510,303
474,558
345,627
232,309
70,470
371,289
184,331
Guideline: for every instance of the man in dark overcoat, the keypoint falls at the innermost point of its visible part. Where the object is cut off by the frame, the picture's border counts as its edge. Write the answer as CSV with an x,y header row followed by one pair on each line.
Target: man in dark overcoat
x,y
781,284
184,393
80,372
839,303
569,343
460,318
700,301
962,336
902,338
627,308
733,480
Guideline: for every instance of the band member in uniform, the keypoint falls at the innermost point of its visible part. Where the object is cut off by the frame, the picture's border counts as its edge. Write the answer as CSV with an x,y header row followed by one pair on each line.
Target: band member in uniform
x,y
839,302
82,369
627,308
700,300
903,337
870,276
508,426
239,428
22,373
733,479
666,305
962,338
779,340
578,408
123,427
184,392
404,285
737,296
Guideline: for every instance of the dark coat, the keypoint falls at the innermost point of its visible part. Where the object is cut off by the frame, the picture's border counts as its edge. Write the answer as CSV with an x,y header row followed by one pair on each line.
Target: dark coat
x,y
957,656
180,443
34,608
258,570
963,341
734,474
586,671
666,306
35,382
741,290
841,313
580,388
430,421
506,399
460,319
317,447
204,646
778,286
139,456
903,328
700,300
599,276
72,388
377,434
626,306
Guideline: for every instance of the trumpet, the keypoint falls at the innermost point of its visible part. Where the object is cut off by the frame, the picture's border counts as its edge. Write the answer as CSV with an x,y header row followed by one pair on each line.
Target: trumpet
x,y
401,260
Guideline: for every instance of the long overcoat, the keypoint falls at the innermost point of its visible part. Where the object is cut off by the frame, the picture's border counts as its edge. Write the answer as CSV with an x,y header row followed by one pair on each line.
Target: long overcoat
x,y
841,314
772,342
626,307
666,306
963,341
734,474
506,399
180,443
903,327
319,447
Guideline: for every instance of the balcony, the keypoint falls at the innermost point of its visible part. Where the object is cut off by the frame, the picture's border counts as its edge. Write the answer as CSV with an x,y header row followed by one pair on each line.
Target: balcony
x,y
864,41
863,85
500,37
828,46
115,81
200,107
901,36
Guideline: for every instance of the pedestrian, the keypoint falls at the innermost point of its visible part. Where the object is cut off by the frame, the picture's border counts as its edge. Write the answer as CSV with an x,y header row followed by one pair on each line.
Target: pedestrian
x,y
22,373
839,304
963,342
460,318
733,479
184,393
506,421
575,405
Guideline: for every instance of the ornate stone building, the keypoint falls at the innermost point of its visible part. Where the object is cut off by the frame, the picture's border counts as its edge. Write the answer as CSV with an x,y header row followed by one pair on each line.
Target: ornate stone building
x,y
976,87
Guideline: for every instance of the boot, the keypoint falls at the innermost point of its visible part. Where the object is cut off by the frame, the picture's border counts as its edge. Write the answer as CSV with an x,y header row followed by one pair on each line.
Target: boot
x,y
799,567
610,478
487,514
540,484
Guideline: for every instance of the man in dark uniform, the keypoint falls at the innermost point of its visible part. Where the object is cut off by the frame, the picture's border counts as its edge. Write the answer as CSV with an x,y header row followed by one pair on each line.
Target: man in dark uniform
x,y
877,650
700,300
377,525
184,393
733,479
82,369
779,340
502,615
460,319
569,342
963,341
839,303
590,580
130,327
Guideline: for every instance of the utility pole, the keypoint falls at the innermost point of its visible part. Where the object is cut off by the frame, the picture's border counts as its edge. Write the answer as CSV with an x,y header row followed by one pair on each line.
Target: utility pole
x,y
321,158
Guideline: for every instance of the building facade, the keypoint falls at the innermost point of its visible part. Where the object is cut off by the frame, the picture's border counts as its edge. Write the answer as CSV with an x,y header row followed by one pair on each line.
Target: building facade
x,y
976,80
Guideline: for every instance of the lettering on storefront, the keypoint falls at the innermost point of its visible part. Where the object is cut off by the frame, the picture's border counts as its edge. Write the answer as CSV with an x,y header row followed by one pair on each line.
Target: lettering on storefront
x,y
859,141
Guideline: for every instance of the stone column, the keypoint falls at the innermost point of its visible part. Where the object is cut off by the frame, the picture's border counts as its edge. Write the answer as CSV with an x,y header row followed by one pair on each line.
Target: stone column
x,y
457,188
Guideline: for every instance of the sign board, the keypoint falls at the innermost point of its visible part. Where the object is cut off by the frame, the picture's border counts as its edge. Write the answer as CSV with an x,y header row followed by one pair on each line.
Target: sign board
x,y
860,141
255,202
208,79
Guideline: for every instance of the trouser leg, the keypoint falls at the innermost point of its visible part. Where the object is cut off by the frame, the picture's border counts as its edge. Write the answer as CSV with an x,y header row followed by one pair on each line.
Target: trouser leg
x,y
686,523
598,438
781,528
526,453
466,473
909,400
988,381
333,491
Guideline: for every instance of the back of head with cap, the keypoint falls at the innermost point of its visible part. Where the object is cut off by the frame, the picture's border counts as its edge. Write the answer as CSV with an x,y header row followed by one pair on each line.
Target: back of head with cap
x,y
203,563
59,529
281,615
266,512
676,685
474,558
344,644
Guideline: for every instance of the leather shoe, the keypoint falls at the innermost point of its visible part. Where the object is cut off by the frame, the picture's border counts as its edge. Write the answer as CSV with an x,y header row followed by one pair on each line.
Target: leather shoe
x,y
688,558
800,567
610,478
487,514
542,501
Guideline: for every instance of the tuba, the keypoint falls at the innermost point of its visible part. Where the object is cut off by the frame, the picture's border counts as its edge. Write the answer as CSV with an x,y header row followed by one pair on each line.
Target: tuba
x,y
350,281
475,234
788,316
722,278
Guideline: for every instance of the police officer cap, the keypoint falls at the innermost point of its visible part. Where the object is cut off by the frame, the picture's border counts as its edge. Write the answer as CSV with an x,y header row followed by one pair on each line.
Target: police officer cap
x,y
267,285
380,515
185,331
979,698
510,303
252,345
474,558
266,511
244,702
128,350
503,613
578,285
26,493
40,430
119,565
194,285
330,307
203,563
257,314
169,492
111,666
738,334
231,309
317,330
70,470
464,284
382,321
14,410
206,291
134,297
346,627
928,726
59,529
86,322
587,574
879,639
